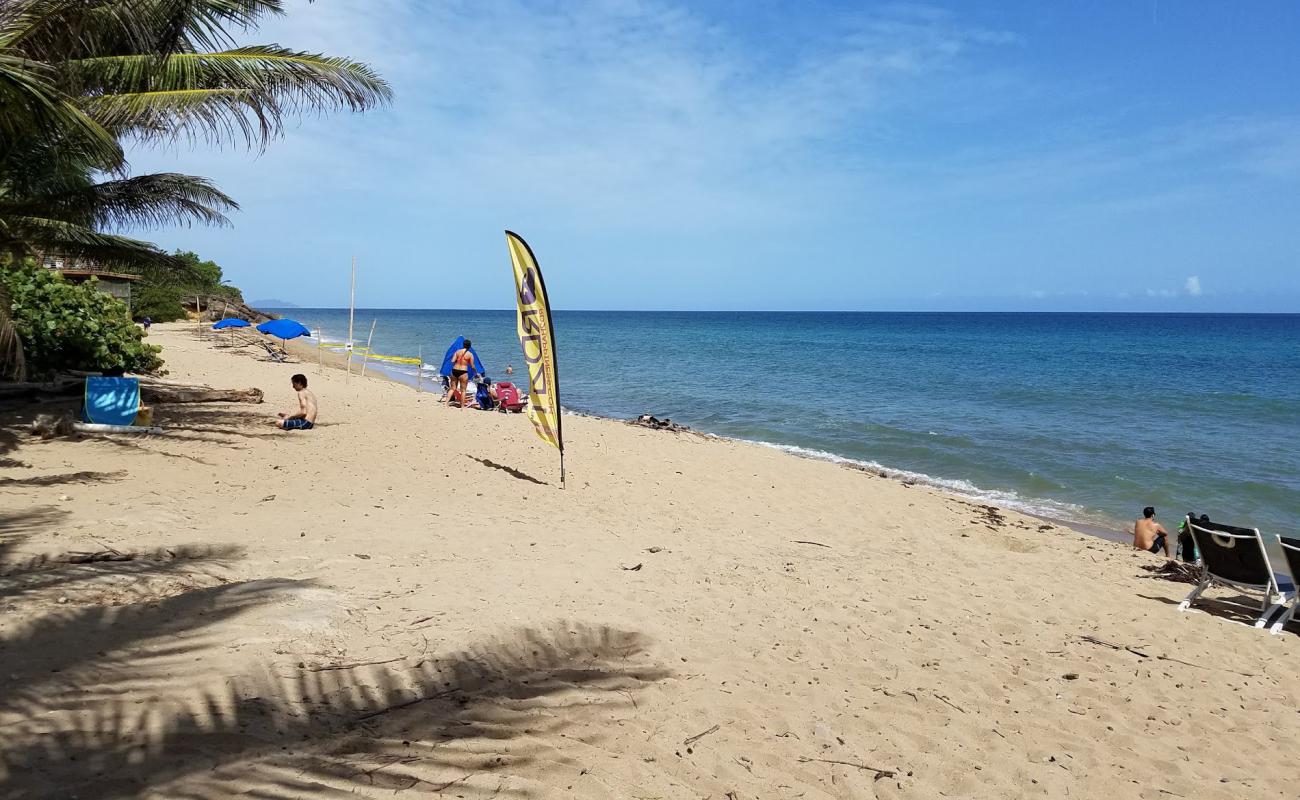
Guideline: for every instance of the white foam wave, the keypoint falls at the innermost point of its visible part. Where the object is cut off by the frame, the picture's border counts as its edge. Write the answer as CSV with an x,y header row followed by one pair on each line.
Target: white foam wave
x,y
1008,499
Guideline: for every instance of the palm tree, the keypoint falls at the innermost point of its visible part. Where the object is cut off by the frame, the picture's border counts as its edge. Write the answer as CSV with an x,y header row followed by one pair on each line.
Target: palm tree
x,y
79,76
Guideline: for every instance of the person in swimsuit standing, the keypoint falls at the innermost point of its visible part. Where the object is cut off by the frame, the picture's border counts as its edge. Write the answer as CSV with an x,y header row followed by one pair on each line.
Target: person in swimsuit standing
x,y
462,363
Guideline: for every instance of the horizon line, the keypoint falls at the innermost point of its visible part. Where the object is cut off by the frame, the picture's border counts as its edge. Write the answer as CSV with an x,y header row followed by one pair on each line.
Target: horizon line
x,y
786,311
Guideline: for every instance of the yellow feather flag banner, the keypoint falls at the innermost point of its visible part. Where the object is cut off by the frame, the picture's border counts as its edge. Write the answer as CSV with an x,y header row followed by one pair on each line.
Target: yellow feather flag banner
x,y
537,338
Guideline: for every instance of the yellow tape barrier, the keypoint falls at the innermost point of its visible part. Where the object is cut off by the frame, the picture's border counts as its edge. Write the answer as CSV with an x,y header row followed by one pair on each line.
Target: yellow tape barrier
x,y
358,351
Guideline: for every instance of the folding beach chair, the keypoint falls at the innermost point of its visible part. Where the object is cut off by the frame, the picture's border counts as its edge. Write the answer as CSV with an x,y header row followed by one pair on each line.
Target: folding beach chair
x,y
508,400
111,401
1235,557
278,356
1291,552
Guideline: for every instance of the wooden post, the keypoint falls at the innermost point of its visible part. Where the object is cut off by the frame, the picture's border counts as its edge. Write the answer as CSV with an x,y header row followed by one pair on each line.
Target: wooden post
x,y
352,310
366,356
419,373
320,352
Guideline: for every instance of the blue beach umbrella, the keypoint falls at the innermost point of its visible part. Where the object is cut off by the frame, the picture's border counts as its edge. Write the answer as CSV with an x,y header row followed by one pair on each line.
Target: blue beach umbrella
x,y
231,323
284,328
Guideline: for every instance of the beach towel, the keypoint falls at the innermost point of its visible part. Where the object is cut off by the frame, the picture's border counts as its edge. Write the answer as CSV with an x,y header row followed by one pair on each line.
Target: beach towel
x,y
484,396
111,401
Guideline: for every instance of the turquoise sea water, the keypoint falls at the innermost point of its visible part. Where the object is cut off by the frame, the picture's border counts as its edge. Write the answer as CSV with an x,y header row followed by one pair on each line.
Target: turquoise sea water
x,y
1086,417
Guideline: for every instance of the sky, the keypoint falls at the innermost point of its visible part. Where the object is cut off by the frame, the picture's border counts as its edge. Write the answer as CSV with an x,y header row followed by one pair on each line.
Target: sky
x,y
976,155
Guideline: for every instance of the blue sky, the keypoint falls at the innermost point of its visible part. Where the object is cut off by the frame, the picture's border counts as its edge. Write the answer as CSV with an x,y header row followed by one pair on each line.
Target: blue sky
x,y
762,155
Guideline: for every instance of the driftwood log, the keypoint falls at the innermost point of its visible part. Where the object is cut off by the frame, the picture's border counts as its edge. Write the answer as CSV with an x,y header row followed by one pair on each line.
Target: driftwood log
x,y
26,391
170,393
152,390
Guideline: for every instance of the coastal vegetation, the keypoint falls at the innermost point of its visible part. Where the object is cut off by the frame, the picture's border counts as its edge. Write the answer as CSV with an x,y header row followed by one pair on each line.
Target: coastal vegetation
x,y
162,291
72,326
79,78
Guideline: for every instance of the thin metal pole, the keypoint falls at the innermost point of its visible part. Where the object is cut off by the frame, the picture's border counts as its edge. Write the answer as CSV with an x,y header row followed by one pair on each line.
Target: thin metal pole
x,y
352,309
366,356
320,352
419,373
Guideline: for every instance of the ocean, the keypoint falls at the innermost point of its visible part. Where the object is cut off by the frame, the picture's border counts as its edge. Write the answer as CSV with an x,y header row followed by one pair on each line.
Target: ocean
x,y
1081,417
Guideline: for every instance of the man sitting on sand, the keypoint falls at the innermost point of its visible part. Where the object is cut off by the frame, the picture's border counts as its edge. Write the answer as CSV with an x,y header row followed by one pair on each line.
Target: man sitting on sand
x,y
305,418
1150,535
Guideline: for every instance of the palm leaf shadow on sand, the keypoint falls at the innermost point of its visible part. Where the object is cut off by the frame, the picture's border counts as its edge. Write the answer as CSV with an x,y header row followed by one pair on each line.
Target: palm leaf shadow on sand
x,y
84,476
293,732
41,572
74,658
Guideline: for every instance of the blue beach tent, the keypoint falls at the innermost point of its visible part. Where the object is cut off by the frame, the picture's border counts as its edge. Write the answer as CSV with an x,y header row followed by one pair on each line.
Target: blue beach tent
x,y
111,401
445,371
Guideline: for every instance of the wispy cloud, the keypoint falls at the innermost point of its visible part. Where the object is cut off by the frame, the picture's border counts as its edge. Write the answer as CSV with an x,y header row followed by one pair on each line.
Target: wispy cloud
x,y
883,150
1193,286
625,111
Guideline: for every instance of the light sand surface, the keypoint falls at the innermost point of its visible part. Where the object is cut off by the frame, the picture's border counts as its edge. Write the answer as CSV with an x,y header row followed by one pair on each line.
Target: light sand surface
x,y
401,602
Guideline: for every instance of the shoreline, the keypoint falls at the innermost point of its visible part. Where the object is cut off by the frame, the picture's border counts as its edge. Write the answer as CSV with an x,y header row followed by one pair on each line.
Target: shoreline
x,y
945,485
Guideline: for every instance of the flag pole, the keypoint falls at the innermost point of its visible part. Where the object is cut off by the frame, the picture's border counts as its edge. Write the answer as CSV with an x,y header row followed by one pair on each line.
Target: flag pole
x,y
320,353
352,309
419,373
366,355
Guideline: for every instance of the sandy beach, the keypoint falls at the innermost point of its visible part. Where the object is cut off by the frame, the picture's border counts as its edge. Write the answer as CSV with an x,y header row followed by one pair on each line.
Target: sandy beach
x,y
404,600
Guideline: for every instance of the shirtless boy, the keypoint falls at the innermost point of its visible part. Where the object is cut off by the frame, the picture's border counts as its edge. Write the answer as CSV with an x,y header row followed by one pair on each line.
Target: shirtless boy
x,y
305,418
1150,535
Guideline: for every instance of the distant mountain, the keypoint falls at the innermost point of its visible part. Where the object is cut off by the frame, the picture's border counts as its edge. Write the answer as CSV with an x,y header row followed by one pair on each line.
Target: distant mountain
x,y
273,303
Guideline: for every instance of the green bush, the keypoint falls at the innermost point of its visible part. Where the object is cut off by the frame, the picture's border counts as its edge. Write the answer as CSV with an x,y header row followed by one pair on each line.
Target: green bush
x,y
66,326
158,303
166,293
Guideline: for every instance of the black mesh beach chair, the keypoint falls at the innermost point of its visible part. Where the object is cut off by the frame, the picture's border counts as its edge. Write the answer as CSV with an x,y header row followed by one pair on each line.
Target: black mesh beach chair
x,y
1291,551
1232,556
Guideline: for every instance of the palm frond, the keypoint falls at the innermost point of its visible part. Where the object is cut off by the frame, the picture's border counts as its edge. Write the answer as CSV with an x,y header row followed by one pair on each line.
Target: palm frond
x,y
56,29
31,107
81,241
214,96
145,200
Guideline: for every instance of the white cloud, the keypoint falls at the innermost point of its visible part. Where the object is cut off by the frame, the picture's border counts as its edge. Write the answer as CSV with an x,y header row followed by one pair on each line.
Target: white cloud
x,y
1193,286
626,112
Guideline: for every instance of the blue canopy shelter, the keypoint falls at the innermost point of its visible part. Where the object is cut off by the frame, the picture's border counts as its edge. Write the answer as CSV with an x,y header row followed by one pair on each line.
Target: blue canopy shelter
x,y
445,371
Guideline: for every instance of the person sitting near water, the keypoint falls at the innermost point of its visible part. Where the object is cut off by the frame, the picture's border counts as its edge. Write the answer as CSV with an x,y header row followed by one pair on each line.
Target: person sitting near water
x,y
305,418
462,363
1150,535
